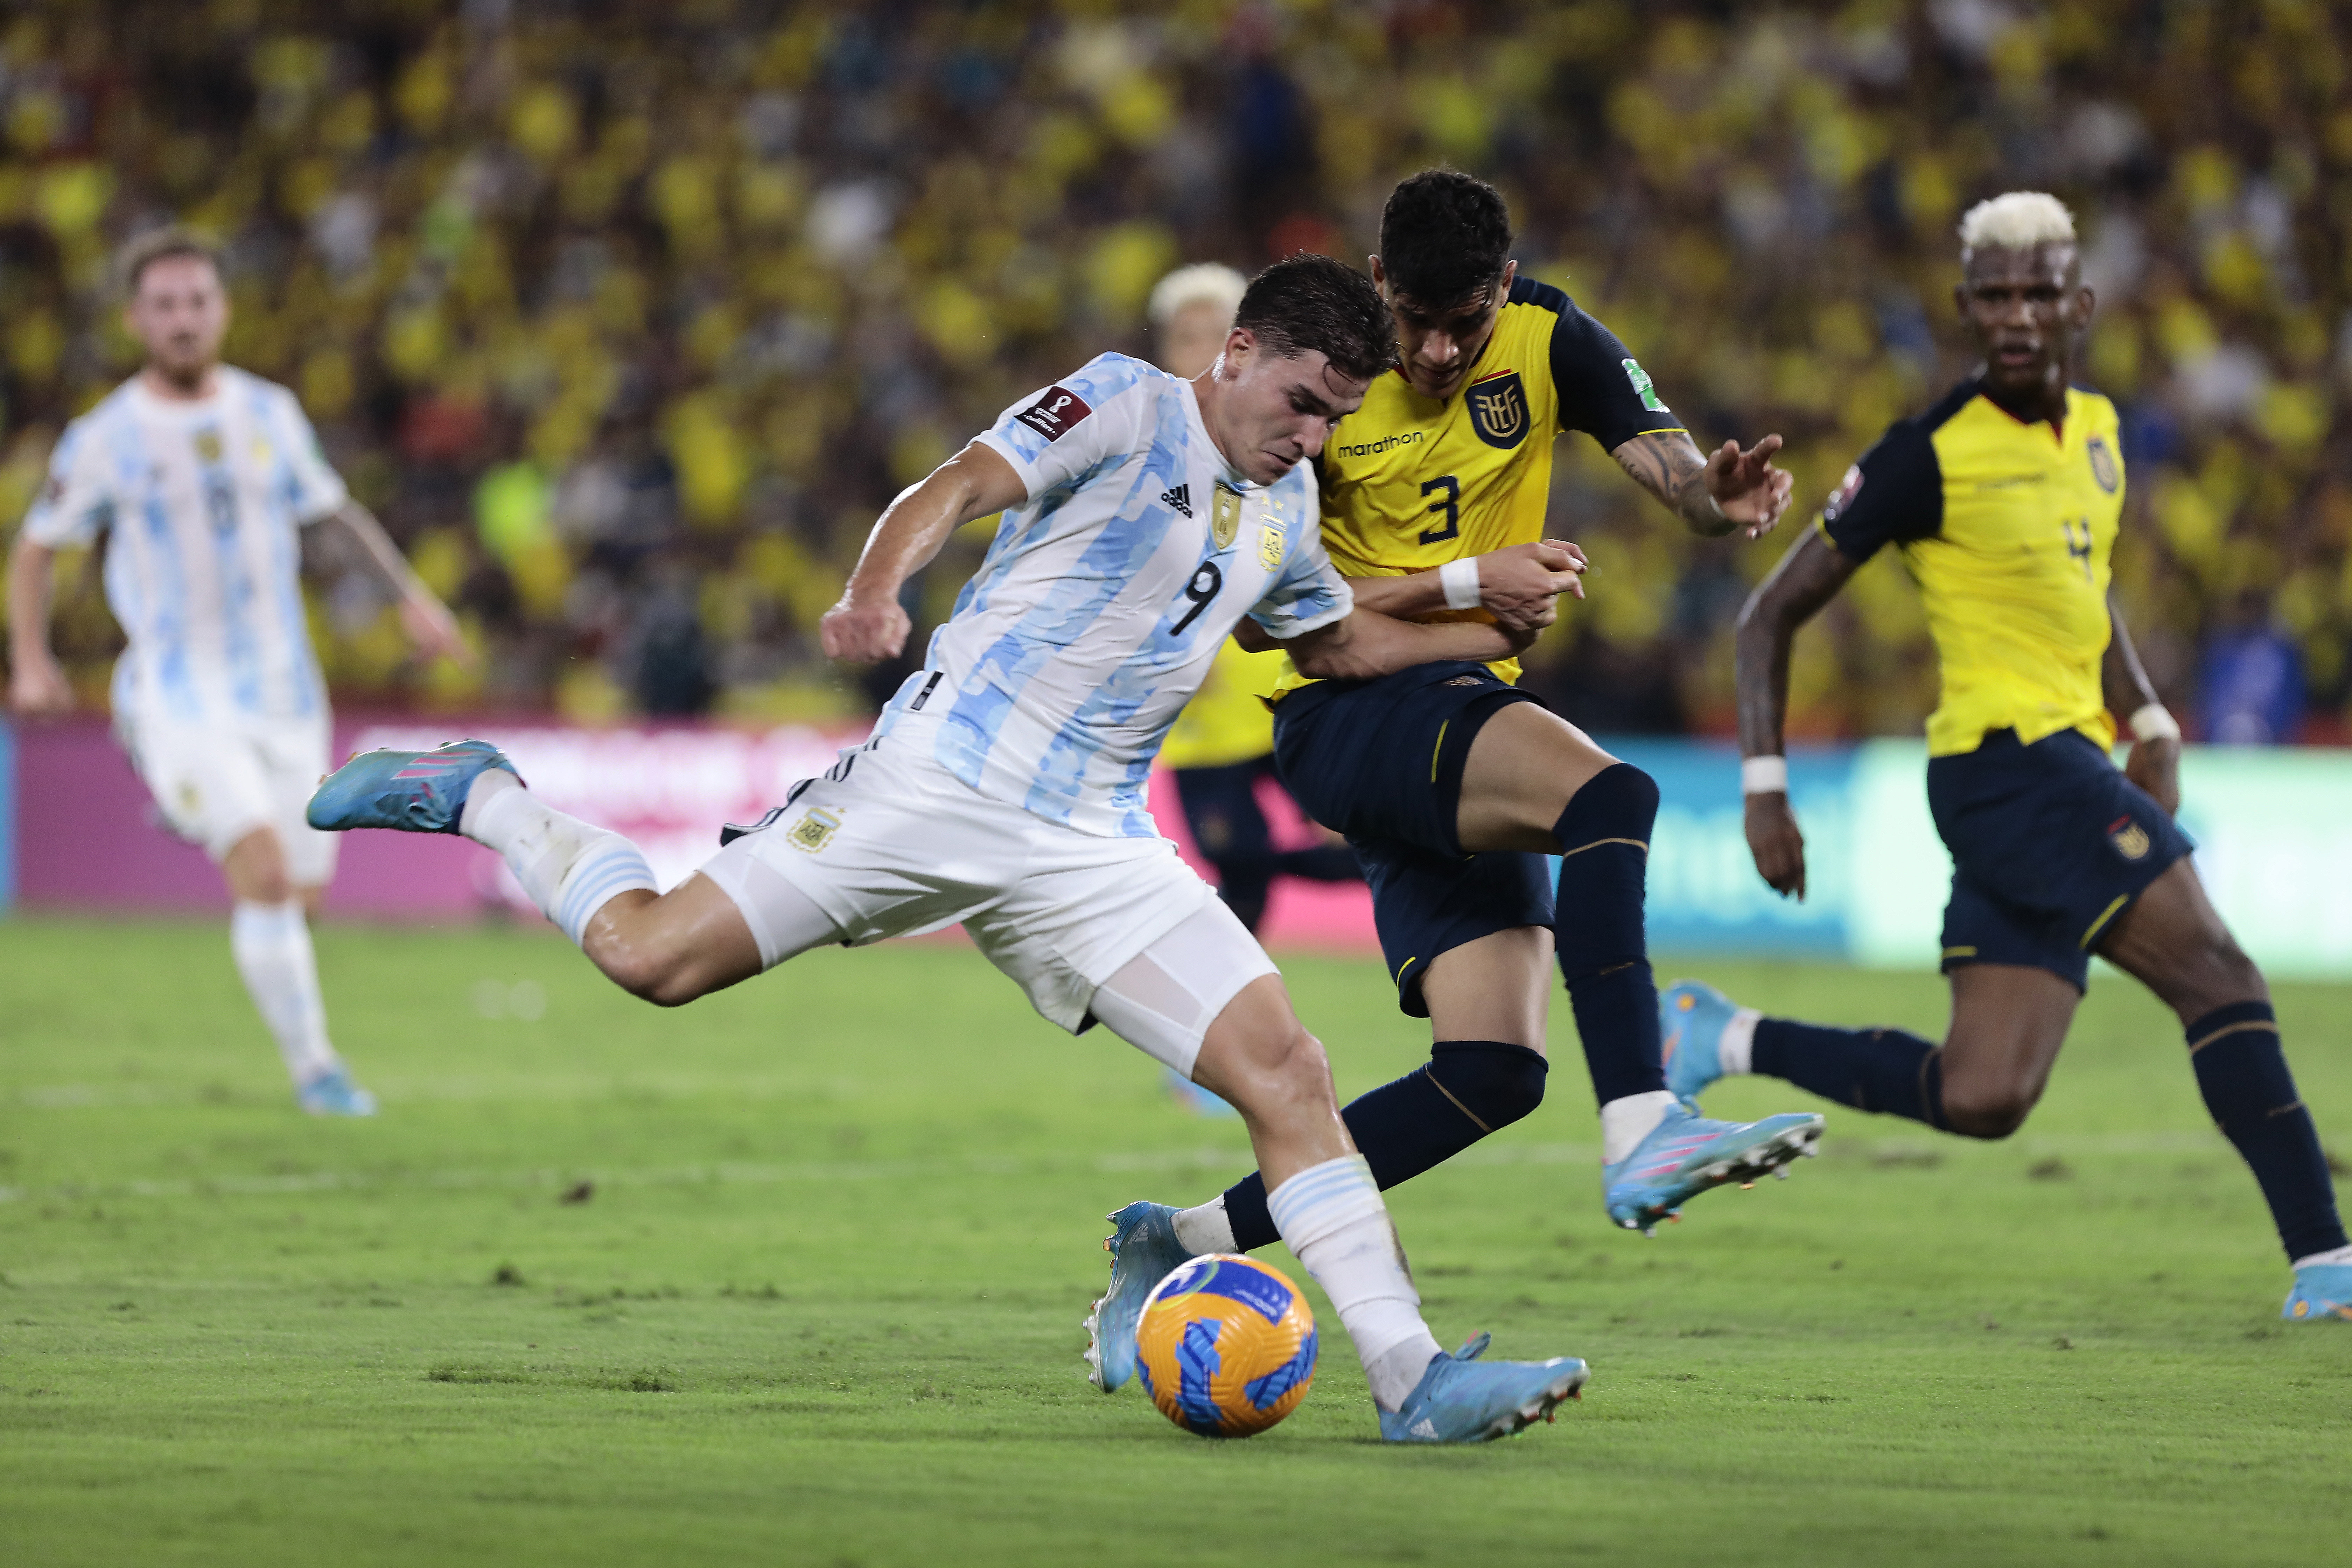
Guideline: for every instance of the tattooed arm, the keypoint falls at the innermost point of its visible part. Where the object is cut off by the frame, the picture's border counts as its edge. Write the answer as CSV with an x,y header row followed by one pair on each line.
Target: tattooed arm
x,y
1715,494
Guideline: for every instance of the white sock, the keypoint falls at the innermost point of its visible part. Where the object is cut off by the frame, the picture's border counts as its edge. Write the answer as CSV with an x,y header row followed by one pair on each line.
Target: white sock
x,y
1625,1123
272,945
1332,1217
2341,1254
1736,1050
1206,1228
570,869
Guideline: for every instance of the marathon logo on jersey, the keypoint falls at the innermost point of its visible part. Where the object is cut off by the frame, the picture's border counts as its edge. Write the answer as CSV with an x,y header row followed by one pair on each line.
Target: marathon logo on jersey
x,y
2102,466
1052,415
1498,410
1843,496
1181,497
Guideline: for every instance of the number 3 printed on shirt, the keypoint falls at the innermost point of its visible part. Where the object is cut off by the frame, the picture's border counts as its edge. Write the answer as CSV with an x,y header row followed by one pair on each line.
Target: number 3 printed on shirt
x,y
1448,504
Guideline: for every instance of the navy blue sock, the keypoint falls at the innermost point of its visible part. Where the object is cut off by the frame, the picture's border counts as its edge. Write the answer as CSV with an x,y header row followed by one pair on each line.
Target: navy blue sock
x,y
1604,841
1885,1070
1466,1089
2243,1073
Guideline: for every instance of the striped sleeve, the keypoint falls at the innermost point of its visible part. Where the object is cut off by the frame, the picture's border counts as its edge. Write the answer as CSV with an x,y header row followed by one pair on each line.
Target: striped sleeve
x,y
76,503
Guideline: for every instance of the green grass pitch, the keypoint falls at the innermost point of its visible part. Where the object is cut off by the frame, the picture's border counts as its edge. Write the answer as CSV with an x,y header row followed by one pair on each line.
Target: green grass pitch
x,y
815,1296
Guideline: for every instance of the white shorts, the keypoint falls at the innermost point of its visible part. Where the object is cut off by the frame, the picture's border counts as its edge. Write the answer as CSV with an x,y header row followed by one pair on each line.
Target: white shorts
x,y
214,785
891,843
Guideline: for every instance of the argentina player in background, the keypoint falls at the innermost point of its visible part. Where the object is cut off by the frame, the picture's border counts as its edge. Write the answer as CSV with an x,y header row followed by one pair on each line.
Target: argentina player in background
x,y
200,480
1003,786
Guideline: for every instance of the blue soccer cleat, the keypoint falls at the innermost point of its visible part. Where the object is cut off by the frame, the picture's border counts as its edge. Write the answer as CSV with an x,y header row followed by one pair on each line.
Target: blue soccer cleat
x,y
330,1092
1686,1153
1143,1251
1691,1019
2322,1293
415,792
1459,1402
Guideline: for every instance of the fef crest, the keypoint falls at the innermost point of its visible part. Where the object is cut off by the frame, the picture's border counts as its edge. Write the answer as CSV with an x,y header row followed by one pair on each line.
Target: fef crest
x,y
2103,465
1498,410
2130,839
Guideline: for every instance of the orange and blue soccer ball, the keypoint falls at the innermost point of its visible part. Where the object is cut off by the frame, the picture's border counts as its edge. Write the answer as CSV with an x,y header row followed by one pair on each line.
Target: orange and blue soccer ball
x,y
1226,1346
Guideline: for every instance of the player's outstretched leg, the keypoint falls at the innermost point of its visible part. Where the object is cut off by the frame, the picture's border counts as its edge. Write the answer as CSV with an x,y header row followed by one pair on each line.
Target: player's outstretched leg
x,y
593,883
1327,1207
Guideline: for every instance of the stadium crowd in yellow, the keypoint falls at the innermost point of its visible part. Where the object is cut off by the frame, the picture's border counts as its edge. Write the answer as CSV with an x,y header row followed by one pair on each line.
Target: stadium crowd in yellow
x,y
628,323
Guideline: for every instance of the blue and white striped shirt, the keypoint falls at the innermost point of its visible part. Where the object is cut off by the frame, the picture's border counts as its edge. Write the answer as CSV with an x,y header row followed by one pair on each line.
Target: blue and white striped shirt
x,y
1104,597
202,501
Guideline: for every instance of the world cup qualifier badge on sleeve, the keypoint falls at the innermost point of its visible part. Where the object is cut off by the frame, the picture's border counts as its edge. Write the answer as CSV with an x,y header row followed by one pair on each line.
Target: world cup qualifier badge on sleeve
x,y
1054,415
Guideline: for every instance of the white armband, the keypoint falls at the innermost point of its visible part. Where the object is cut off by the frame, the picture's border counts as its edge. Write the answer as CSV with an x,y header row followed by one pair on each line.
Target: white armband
x,y
1763,775
2154,721
1460,581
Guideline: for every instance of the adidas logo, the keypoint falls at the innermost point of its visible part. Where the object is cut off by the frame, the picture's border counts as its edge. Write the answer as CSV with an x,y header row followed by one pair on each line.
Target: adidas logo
x,y
1181,497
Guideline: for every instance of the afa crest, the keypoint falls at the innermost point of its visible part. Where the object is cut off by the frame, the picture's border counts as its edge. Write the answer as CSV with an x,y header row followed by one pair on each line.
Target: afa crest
x,y
815,830
2130,839
1498,410
2103,465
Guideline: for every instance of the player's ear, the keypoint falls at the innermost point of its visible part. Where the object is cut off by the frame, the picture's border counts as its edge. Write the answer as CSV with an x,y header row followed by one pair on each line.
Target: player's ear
x,y
1510,271
2085,301
1380,274
1240,343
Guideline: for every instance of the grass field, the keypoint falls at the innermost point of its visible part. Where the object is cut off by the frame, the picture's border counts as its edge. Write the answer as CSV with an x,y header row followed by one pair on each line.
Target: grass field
x,y
794,1276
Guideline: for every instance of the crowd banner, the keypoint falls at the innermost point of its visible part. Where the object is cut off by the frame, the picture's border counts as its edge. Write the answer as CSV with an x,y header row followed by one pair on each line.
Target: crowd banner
x,y
77,832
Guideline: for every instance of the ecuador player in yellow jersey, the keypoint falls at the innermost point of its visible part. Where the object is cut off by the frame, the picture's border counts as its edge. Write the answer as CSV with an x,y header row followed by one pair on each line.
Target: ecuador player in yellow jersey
x,y
1221,750
2004,499
1452,783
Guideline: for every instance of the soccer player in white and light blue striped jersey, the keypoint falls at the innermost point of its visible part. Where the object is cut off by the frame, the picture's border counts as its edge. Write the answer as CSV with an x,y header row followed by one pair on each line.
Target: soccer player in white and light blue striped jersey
x,y
201,478
1144,516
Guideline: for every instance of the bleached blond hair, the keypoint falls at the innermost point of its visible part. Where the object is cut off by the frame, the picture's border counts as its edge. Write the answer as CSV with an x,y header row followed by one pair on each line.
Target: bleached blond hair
x,y
2017,220
1206,282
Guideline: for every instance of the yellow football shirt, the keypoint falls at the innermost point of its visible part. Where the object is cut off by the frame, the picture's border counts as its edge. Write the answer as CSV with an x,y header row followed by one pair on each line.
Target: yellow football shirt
x,y
1410,482
2007,528
1227,721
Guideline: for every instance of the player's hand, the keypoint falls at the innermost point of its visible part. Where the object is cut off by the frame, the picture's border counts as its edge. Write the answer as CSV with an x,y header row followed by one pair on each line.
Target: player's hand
x,y
1750,492
1778,846
2154,766
864,633
1518,585
434,630
37,687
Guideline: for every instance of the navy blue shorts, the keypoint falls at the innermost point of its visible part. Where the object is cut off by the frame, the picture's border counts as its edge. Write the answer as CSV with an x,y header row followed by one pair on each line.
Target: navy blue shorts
x,y
1380,760
2050,843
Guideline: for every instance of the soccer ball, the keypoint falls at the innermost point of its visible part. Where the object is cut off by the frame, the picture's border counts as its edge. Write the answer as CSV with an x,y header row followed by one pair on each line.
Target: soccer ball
x,y
1226,1346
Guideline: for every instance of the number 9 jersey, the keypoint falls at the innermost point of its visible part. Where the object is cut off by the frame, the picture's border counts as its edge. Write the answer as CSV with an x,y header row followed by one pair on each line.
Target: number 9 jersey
x,y
1410,482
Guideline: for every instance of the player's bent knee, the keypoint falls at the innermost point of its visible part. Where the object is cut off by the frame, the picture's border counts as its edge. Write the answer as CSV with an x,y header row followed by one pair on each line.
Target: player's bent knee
x,y
1989,1113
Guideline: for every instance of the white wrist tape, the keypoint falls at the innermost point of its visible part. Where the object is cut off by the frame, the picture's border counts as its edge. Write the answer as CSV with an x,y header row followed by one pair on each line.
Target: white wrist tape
x,y
1763,775
1460,581
2155,722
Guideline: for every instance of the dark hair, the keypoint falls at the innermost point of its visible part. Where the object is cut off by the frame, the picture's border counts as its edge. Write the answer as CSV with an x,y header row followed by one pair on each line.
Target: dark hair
x,y
173,239
1444,237
1311,302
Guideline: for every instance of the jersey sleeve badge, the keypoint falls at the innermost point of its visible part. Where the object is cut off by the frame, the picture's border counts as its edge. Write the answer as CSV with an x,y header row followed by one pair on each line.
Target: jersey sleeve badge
x,y
1054,415
1640,380
1498,410
1843,496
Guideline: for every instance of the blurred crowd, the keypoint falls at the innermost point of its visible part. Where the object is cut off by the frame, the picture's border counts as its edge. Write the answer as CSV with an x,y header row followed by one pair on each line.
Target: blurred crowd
x,y
627,318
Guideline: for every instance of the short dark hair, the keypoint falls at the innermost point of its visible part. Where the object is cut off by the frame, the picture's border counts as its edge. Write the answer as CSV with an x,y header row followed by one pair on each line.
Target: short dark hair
x,y
155,244
1444,234
1306,302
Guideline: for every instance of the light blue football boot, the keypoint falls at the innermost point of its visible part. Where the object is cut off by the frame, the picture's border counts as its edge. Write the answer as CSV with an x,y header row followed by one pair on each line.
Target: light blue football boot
x,y
1692,1016
415,792
1143,1251
1686,1153
1457,1401
2322,1293
330,1092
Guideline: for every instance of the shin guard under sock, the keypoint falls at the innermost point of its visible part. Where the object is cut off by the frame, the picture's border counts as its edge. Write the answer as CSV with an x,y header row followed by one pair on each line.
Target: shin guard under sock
x,y
1467,1090
1885,1070
1605,840
2243,1073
